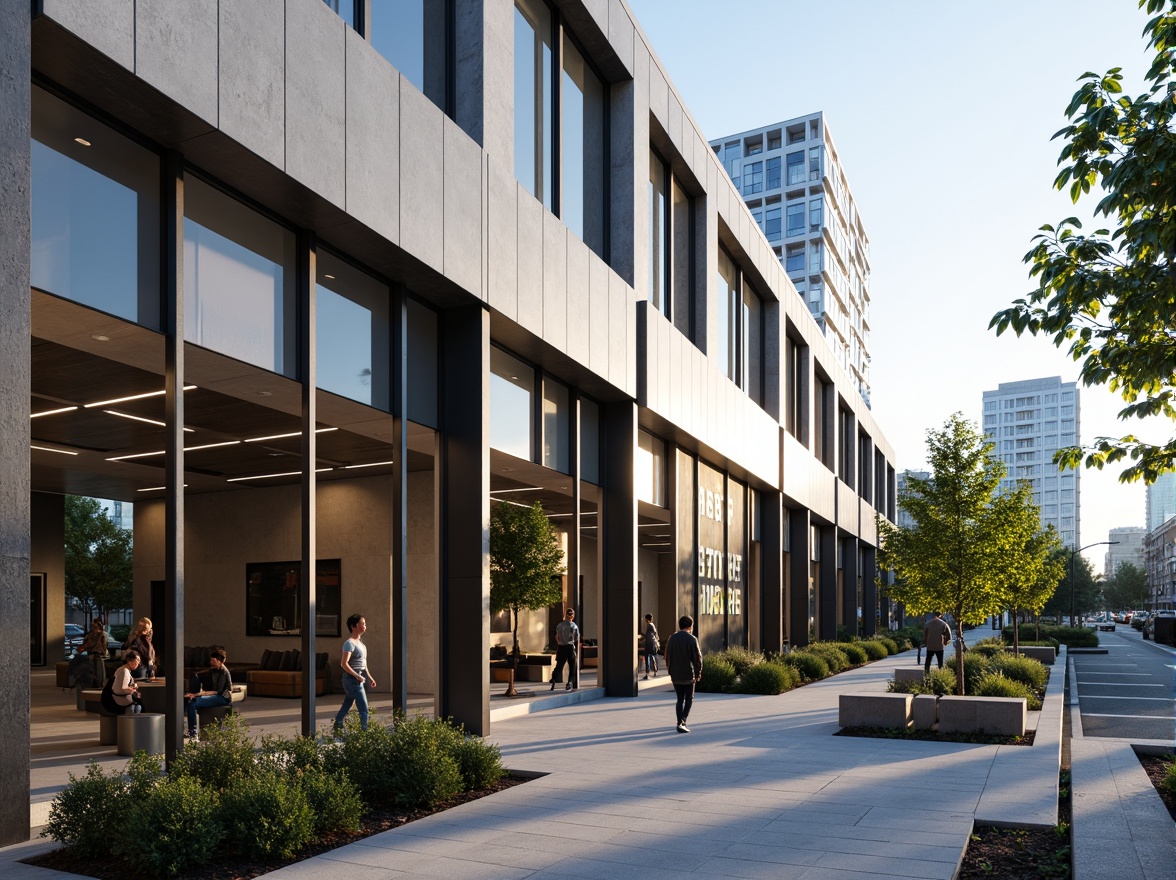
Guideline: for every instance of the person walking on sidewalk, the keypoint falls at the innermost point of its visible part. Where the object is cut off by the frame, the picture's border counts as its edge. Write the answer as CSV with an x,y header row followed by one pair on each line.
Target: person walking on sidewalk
x,y
652,647
936,636
353,662
684,664
567,643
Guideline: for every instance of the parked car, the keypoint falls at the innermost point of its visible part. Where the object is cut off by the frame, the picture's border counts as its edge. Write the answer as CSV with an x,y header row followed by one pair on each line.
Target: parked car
x,y
73,636
1139,619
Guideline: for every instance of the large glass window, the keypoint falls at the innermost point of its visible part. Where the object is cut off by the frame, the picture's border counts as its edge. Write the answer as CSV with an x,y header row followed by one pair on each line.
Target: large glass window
x,y
533,104
727,308
795,168
412,35
795,215
740,328
583,150
659,281
352,332
345,9
753,178
512,412
95,213
816,213
589,441
238,280
650,467
557,433
773,173
814,163
794,259
772,223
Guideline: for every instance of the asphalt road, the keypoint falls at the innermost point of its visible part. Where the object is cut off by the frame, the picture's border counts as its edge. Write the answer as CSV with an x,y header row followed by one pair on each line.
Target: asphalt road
x,y
1129,692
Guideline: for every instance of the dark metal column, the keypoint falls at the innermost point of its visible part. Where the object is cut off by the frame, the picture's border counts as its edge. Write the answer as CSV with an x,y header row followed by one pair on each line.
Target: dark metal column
x,y
398,384
849,584
827,601
771,587
800,560
618,535
573,565
308,374
463,507
869,574
172,276
15,388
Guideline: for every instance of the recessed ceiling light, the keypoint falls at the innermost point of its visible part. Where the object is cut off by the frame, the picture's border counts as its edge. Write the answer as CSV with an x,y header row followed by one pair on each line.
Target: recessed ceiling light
x,y
100,337
265,394
332,277
82,141
52,412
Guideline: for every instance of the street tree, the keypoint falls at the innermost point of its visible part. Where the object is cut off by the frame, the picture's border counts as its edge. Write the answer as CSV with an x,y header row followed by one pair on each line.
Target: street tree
x,y
1078,577
967,541
1127,587
99,561
526,561
1034,579
1110,296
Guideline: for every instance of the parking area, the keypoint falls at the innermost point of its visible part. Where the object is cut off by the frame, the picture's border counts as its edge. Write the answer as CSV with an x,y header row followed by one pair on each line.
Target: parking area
x,y
1129,692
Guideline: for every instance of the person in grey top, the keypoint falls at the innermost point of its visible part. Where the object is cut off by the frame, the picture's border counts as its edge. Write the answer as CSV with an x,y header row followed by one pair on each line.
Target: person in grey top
x,y
936,636
684,663
567,642
355,675
651,646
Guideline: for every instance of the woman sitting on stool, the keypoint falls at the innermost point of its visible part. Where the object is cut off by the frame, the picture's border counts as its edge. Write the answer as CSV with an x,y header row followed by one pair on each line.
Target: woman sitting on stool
x,y
120,694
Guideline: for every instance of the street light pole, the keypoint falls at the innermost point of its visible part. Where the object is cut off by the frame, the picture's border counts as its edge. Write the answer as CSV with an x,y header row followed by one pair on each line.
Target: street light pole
x,y
1074,553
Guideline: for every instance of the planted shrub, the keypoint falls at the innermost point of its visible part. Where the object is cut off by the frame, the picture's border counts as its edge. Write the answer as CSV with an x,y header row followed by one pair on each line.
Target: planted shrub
x,y
891,644
989,647
994,684
768,679
298,754
424,768
875,649
975,668
89,813
223,754
266,815
904,644
717,675
480,763
335,804
833,656
810,666
366,756
1169,781
854,652
741,658
180,827
1023,669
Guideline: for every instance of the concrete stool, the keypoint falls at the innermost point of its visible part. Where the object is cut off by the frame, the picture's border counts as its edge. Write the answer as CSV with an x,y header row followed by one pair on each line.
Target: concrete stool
x,y
107,729
142,731
905,674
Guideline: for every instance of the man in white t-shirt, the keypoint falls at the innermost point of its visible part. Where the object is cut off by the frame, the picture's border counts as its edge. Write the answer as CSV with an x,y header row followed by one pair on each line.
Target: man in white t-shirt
x,y
355,674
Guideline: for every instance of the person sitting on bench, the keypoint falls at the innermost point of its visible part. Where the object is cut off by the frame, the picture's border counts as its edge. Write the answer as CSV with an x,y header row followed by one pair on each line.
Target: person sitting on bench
x,y
220,693
120,694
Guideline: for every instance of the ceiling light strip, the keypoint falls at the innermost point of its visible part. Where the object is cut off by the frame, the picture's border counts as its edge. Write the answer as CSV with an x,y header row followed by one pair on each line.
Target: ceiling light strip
x,y
272,476
51,449
284,436
351,467
528,489
122,415
132,397
52,412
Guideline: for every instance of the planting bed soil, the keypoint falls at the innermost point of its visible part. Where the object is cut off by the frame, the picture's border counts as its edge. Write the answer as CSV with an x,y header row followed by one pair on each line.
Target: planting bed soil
x,y
1156,769
934,736
1013,854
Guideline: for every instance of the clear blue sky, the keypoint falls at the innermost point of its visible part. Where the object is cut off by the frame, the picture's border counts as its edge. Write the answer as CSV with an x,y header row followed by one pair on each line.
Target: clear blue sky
x,y
942,113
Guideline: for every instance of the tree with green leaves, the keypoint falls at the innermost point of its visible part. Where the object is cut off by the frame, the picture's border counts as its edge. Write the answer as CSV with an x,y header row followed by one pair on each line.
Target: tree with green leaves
x,y
1127,587
1034,578
526,561
968,541
99,563
1078,576
1110,296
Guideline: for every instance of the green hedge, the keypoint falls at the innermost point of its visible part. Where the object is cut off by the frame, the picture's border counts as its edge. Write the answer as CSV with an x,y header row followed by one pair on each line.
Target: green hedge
x,y
1071,636
768,679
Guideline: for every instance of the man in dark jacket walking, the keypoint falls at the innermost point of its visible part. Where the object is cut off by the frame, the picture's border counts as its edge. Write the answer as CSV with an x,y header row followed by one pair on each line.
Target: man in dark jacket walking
x,y
684,663
936,636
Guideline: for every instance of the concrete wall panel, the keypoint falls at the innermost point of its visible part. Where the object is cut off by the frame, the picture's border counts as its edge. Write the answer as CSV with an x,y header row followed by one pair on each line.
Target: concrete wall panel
x,y
422,177
250,86
619,307
176,52
463,209
502,255
316,98
579,324
530,265
373,139
555,281
621,32
107,25
598,314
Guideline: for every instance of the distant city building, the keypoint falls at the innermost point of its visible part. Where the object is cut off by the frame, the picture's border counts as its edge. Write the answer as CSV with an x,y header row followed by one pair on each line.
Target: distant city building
x,y
1161,501
903,481
791,178
1028,422
121,512
1126,546
1160,562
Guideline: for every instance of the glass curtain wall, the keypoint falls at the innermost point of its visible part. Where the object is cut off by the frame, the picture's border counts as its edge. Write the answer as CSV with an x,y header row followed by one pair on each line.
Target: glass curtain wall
x,y
412,34
659,281
533,104
727,306
512,413
352,332
582,143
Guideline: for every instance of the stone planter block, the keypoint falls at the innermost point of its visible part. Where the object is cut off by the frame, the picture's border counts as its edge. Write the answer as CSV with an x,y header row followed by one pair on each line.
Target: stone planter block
x,y
874,710
1045,653
905,673
998,716
924,711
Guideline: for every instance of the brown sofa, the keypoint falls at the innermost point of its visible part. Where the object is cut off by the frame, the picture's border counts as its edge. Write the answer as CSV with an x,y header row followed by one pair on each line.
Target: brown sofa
x,y
279,674
532,667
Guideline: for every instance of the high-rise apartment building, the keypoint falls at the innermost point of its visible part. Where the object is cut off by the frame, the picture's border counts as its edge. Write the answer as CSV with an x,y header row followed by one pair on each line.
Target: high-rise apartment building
x,y
1029,421
791,178
904,477
1161,501
1126,545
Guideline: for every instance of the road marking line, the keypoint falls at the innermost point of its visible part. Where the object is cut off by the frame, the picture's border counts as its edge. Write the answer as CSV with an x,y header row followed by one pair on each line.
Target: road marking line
x,y
1123,685
1104,715
1150,699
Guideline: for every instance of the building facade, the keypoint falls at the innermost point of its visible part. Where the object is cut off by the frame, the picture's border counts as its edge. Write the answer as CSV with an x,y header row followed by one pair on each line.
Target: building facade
x,y
1161,500
1028,421
791,178
1126,546
314,288
1160,563
904,476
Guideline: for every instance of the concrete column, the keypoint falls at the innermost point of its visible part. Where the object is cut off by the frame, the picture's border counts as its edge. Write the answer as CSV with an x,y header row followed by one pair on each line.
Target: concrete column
x,y
800,560
827,587
308,376
771,585
15,378
463,528
869,574
398,382
618,536
849,582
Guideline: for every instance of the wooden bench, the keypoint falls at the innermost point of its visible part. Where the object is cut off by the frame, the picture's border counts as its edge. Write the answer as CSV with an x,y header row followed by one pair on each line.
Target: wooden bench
x,y
874,710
